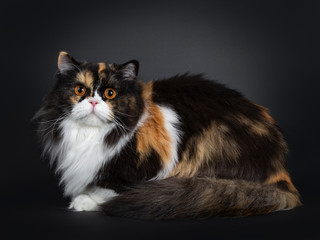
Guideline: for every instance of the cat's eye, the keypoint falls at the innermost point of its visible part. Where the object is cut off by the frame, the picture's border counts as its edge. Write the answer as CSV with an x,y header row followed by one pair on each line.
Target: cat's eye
x,y
110,93
80,90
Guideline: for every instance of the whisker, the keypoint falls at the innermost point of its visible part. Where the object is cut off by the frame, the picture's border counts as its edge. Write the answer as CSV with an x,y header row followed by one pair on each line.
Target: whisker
x,y
124,114
51,127
119,133
122,126
118,124
53,120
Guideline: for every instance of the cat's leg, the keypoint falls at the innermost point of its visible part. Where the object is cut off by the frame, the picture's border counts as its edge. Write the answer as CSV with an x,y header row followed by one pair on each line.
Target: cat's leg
x,y
92,198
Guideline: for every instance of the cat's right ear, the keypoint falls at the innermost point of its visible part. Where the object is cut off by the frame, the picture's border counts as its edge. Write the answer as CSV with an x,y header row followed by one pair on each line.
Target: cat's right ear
x,y
66,62
129,70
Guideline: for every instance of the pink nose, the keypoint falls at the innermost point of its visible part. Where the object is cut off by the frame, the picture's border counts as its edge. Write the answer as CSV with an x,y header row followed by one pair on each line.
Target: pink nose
x,y
93,102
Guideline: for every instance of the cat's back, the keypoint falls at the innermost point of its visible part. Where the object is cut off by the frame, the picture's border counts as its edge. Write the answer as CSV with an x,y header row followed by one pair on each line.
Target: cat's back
x,y
220,124
199,100
190,87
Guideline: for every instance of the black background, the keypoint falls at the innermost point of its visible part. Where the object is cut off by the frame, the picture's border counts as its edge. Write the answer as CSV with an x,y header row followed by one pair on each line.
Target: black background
x,y
269,50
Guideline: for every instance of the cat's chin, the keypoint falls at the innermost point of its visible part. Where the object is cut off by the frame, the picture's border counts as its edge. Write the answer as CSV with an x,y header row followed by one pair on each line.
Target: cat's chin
x,y
92,120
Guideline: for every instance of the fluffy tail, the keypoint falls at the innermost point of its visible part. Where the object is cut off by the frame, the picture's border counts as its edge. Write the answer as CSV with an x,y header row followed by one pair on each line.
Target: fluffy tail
x,y
175,198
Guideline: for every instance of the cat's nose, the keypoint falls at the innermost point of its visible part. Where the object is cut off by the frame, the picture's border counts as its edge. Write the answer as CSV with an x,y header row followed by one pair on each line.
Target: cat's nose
x,y
93,102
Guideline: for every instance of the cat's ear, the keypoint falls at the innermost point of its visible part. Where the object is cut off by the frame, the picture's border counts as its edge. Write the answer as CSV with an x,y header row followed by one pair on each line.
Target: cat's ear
x,y
129,70
66,62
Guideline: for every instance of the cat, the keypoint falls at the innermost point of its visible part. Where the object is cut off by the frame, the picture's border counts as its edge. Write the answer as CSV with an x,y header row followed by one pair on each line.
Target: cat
x,y
182,147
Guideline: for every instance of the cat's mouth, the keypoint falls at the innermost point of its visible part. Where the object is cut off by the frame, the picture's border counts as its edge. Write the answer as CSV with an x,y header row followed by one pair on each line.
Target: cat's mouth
x,y
92,113
93,118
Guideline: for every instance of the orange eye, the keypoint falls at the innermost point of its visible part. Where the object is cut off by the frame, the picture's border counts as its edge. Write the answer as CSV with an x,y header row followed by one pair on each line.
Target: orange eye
x,y
110,93
80,90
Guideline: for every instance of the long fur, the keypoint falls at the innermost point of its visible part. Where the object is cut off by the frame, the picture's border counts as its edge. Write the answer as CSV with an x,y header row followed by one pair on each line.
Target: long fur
x,y
182,147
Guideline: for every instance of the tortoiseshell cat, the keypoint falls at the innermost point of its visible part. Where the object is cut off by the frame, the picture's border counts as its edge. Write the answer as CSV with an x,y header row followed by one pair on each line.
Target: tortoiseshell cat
x,y
183,147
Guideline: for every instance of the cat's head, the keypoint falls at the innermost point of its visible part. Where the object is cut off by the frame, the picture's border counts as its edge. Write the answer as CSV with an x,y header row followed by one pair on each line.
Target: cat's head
x,y
92,94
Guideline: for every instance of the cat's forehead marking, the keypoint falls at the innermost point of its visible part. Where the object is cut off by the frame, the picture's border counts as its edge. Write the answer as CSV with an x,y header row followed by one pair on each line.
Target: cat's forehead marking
x,y
102,67
86,77
102,70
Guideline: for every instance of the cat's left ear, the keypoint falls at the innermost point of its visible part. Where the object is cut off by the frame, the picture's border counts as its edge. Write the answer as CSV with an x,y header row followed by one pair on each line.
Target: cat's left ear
x,y
129,70
66,62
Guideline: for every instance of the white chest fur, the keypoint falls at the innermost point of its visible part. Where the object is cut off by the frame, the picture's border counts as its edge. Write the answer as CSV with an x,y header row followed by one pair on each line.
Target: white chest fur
x,y
81,154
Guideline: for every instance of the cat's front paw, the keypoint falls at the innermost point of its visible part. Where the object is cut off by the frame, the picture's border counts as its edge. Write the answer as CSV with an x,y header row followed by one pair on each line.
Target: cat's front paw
x,y
84,203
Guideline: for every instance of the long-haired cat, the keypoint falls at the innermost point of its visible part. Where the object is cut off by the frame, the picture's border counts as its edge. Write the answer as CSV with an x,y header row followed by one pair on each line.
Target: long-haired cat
x,y
183,147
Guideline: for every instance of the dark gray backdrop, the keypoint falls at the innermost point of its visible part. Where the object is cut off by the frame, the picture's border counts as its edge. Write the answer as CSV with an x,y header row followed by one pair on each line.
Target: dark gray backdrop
x,y
269,50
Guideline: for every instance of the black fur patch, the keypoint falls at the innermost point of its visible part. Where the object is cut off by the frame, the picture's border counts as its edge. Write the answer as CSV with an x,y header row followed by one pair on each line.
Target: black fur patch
x,y
125,170
199,102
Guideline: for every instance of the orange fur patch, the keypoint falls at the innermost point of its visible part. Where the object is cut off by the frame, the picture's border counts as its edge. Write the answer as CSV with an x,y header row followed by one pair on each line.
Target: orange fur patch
x,y
153,134
264,113
256,127
281,175
102,67
147,91
87,78
101,70
211,144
